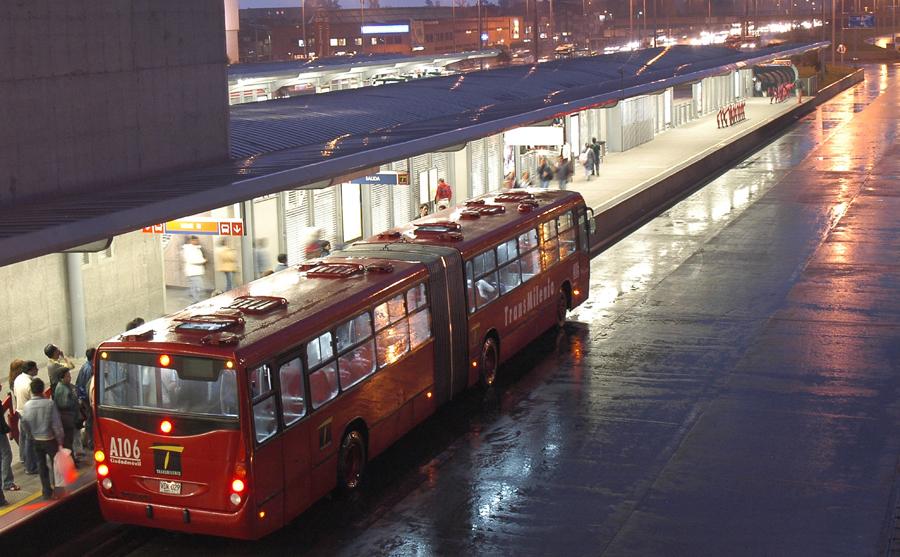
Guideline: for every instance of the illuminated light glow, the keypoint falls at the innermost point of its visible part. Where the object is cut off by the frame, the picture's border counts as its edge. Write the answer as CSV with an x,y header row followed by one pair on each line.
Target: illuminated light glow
x,y
576,292
165,360
428,394
383,29
99,456
474,363
392,354
262,514
165,426
237,486
103,470
104,355
229,364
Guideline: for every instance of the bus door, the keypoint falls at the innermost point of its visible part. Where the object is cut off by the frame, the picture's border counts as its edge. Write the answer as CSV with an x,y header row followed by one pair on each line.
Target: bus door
x,y
295,448
268,464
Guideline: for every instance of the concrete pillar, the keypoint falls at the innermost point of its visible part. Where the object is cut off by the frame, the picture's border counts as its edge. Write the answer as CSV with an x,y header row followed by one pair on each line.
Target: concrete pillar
x,y
248,268
232,26
75,287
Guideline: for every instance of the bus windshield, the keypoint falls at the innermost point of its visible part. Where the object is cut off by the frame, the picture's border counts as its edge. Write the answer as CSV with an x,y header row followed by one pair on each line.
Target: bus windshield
x,y
185,385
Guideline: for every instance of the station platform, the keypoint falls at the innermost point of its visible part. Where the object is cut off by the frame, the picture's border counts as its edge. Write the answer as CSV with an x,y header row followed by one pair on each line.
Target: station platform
x,y
622,177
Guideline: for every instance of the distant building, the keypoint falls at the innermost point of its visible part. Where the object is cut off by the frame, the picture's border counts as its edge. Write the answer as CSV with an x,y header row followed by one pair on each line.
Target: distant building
x,y
277,34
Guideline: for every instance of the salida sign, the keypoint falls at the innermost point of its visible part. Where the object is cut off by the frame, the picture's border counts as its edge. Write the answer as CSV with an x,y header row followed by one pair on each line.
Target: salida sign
x,y
198,226
383,178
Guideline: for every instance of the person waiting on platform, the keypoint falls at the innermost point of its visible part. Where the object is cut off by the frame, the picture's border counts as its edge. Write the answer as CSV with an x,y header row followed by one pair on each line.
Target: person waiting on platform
x,y
443,195
423,210
545,172
40,419
282,262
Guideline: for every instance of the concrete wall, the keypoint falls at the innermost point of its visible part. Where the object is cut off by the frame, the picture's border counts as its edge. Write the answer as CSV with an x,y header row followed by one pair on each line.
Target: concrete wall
x,y
38,313
96,92
116,289
127,285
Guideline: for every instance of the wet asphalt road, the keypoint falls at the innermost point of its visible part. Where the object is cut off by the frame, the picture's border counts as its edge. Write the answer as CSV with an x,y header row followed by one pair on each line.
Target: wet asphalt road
x,y
731,387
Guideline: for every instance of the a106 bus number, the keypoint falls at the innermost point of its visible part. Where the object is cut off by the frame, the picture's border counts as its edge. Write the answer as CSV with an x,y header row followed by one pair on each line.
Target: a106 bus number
x,y
124,451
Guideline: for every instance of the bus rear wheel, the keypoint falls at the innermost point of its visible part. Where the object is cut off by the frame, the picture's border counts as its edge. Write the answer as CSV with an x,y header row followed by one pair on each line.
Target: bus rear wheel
x,y
490,361
562,308
351,461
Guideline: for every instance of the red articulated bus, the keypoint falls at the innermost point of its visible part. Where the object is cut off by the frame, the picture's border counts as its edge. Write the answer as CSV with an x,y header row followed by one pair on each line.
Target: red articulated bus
x,y
234,415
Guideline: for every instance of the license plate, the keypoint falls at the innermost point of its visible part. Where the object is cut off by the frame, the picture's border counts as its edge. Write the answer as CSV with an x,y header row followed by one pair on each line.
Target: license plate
x,y
172,488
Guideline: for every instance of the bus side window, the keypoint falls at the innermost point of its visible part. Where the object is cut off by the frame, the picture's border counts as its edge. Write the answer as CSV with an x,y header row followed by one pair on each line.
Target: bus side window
x,y
510,277
357,350
293,396
323,382
583,231
228,393
530,256
507,251
260,381
391,342
264,422
470,286
419,316
549,244
487,287
567,235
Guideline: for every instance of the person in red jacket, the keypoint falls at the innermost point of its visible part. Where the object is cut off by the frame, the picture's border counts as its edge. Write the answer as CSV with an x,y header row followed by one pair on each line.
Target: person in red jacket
x,y
443,195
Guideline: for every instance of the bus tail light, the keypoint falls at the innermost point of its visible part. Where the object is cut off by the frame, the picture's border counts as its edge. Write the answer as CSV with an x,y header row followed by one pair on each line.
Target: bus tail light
x,y
165,426
238,484
103,470
106,483
240,471
99,456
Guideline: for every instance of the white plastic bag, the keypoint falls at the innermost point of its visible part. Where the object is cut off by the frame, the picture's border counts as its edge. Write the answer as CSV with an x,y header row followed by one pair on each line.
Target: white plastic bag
x,y
64,472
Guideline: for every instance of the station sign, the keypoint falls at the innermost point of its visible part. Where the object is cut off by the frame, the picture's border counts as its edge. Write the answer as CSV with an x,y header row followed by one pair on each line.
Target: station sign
x,y
387,178
198,227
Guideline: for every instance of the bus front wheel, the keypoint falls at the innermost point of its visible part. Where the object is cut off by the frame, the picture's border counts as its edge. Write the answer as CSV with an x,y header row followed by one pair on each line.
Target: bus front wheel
x,y
490,361
352,460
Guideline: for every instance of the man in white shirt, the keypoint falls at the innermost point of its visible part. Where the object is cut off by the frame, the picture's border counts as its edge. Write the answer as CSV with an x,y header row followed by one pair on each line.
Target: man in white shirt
x,y
194,267
21,395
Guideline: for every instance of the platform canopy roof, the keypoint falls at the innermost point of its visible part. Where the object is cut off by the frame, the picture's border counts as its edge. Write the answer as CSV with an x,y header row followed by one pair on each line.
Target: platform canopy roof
x,y
306,142
336,65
